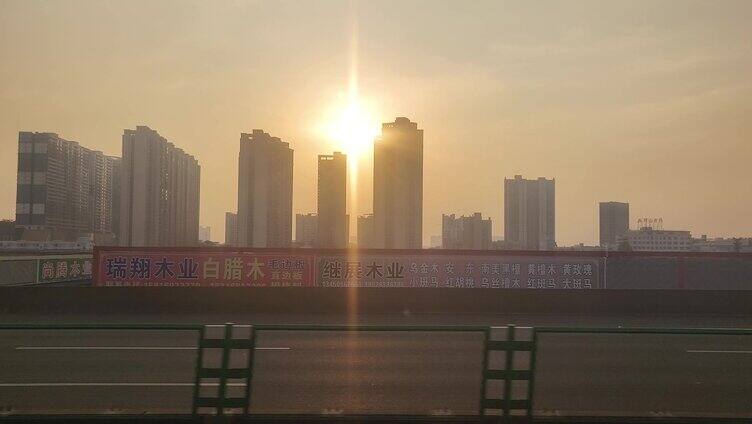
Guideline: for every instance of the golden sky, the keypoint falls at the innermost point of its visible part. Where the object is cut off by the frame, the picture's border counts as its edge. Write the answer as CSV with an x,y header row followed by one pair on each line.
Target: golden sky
x,y
648,102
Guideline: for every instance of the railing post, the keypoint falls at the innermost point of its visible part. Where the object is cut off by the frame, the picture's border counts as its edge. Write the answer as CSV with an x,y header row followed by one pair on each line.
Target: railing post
x,y
199,365
249,379
509,366
486,338
226,349
531,382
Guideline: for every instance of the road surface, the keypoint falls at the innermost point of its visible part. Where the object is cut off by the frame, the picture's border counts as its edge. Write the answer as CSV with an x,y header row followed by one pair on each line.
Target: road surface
x,y
393,372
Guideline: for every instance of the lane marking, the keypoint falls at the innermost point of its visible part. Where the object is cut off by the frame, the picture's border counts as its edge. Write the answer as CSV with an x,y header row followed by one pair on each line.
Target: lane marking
x,y
719,351
113,384
127,348
103,348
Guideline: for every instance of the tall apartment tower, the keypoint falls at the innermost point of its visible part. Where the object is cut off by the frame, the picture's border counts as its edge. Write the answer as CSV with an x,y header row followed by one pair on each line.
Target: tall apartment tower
x,y
264,191
466,232
332,201
160,192
64,190
105,190
398,186
529,213
614,223
231,229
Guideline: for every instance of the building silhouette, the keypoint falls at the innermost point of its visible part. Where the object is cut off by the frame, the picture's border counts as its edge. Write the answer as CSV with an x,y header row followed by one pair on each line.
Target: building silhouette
x,y
465,232
613,223
365,231
306,228
264,191
717,244
398,186
7,230
160,192
332,201
204,233
529,213
231,229
648,239
65,191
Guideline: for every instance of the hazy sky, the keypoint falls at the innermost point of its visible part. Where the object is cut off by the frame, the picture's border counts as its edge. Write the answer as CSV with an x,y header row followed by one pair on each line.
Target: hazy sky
x,y
646,102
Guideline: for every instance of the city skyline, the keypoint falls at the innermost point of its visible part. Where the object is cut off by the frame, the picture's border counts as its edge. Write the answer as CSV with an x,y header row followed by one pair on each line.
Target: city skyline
x,y
266,187
634,102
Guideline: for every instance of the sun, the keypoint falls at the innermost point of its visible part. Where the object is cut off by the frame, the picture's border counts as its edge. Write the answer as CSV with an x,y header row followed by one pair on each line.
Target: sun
x,y
353,128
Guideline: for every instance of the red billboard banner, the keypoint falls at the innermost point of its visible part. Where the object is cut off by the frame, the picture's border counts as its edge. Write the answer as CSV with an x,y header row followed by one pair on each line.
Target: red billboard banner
x,y
458,271
312,268
162,268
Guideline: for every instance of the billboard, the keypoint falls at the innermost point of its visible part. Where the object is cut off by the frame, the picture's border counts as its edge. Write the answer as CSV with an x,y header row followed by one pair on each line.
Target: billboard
x,y
458,271
203,269
61,269
311,268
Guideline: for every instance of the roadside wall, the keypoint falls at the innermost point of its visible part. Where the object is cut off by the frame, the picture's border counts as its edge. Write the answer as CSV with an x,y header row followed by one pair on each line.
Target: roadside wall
x,y
321,300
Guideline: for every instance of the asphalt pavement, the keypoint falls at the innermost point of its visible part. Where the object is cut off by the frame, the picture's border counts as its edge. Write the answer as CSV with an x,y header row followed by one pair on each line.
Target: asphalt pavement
x,y
380,372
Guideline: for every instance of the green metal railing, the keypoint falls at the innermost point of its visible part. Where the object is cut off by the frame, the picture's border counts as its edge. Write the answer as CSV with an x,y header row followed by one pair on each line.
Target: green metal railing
x,y
510,408
228,343
506,405
537,331
197,328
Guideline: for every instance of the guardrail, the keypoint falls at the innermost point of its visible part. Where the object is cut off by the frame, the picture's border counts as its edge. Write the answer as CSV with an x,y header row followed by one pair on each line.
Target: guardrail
x,y
538,331
509,409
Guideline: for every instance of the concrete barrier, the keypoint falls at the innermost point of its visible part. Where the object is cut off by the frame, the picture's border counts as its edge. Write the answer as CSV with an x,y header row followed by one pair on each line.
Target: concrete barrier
x,y
319,300
679,271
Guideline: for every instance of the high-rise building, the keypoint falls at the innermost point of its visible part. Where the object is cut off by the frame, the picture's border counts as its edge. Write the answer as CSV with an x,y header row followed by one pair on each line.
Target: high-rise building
x,y
365,231
332,201
529,213
106,198
306,228
466,232
398,186
160,192
264,191
64,190
204,233
614,223
231,229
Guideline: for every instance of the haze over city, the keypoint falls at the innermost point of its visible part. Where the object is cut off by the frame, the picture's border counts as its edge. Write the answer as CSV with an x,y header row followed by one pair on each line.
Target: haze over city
x,y
642,102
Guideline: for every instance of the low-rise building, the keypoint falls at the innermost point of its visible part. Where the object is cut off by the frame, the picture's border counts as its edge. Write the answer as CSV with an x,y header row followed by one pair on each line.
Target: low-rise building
x,y
231,229
204,233
365,231
306,229
719,244
580,247
647,239
7,230
466,232
82,244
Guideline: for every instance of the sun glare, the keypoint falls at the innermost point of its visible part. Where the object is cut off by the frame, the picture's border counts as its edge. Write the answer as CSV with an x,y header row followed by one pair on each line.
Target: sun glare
x,y
354,128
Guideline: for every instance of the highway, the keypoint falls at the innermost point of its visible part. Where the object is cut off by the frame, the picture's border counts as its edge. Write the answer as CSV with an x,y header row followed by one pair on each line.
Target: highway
x,y
392,372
